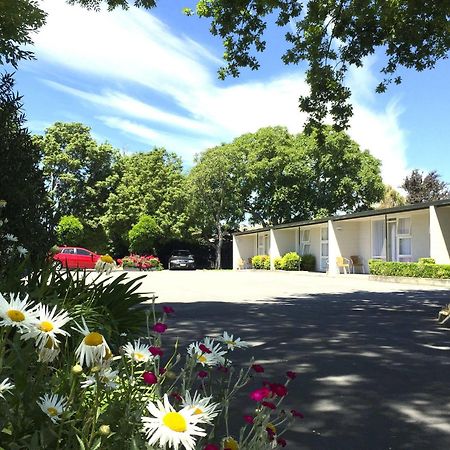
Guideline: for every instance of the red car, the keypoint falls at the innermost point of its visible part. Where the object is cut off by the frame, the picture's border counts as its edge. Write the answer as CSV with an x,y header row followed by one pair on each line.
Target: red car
x,y
76,258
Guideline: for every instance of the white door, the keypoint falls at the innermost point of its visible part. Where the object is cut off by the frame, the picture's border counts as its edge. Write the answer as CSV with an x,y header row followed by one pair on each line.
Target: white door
x,y
324,248
392,241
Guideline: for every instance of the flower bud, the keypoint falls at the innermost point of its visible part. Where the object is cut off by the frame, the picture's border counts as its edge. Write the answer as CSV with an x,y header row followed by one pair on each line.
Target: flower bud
x,y
77,369
104,430
95,369
170,375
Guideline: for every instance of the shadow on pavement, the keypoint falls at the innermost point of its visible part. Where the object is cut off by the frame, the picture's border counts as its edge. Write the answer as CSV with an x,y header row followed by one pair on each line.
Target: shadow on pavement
x,y
373,368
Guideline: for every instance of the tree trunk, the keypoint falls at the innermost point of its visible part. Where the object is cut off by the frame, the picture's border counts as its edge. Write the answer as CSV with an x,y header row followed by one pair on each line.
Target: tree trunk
x,y
219,246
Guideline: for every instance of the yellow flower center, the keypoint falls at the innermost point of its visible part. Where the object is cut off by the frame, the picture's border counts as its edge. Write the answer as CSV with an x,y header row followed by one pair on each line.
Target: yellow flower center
x,y
139,356
198,411
46,326
15,315
93,339
108,354
271,427
201,358
230,443
107,259
230,343
52,411
175,421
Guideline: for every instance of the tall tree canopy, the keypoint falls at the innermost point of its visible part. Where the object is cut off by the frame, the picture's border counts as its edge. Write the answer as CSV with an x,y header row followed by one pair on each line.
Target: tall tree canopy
x,y
21,178
428,188
329,35
79,172
391,198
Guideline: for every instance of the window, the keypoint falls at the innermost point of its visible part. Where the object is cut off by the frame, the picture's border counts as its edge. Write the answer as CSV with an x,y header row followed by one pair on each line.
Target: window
x,y
68,251
305,242
324,248
378,239
404,239
81,251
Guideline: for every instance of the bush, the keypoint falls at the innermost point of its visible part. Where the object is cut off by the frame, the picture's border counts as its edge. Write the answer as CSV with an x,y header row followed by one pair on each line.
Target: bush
x,y
141,262
308,262
70,231
261,262
278,263
426,261
144,235
401,269
291,261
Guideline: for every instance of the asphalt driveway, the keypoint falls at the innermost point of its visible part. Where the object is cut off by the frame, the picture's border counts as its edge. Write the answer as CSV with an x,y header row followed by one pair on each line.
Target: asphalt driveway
x,y
373,365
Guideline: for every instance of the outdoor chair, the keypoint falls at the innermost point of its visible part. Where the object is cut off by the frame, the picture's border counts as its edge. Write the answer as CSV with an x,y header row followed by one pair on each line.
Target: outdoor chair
x,y
343,263
357,263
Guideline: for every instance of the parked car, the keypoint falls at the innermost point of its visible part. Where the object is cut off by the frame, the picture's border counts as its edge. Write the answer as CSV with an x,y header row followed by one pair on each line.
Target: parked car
x,y
181,259
76,258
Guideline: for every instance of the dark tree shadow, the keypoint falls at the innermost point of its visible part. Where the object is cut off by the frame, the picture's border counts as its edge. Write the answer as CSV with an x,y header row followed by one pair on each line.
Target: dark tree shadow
x,y
373,368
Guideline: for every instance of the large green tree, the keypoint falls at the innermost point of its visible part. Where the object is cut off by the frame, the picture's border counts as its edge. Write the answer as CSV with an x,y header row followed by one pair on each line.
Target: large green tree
x,y
425,188
80,174
217,192
21,178
150,183
328,35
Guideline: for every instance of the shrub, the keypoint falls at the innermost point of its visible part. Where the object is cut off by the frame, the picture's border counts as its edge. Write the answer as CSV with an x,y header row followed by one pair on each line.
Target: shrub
x,y
401,269
308,262
70,231
141,262
278,263
144,235
291,261
426,261
261,262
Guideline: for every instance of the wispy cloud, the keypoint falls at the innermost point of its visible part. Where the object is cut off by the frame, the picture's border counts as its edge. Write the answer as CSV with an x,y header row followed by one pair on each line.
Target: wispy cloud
x,y
120,50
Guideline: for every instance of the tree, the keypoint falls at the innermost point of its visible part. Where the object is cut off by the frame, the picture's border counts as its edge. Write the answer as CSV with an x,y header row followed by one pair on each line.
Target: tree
x,y
21,178
149,183
426,188
79,173
391,198
216,184
144,235
70,231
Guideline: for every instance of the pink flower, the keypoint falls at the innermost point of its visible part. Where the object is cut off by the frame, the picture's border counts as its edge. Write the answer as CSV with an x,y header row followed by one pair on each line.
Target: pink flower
x,y
258,368
202,374
159,327
155,351
149,378
168,309
260,394
278,389
297,414
291,374
249,419
269,405
210,447
204,348
282,442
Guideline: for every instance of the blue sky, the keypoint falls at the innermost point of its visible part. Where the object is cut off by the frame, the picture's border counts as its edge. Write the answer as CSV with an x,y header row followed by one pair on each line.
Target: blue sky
x,y
141,79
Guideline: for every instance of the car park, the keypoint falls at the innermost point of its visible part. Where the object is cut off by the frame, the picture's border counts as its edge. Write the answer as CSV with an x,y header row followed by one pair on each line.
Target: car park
x,y
76,258
181,259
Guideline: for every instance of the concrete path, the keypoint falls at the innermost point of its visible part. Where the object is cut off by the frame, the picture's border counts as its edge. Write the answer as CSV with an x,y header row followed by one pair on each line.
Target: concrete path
x,y
373,365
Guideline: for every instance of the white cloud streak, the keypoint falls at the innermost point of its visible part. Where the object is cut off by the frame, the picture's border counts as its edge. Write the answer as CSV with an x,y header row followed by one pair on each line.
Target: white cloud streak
x,y
120,49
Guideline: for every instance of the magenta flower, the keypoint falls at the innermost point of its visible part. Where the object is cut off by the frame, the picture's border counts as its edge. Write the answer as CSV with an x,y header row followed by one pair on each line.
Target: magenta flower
x,y
204,348
202,374
222,369
282,442
149,378
279,390
249,419
162,371
291,374
258,368
210,447
176,396
260,394
156,351
159,327
168,309
269,405
297,414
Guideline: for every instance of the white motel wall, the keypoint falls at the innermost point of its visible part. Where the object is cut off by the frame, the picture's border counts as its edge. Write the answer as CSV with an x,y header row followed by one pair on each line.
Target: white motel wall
x,y
395,234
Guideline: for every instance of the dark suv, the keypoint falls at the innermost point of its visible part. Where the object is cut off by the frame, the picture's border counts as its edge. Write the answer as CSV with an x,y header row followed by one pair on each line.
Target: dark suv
x,y
181,259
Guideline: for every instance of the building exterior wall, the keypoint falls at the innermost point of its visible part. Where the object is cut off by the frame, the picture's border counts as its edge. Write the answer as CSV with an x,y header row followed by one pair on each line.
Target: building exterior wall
x,y
285,240
440,234
244,247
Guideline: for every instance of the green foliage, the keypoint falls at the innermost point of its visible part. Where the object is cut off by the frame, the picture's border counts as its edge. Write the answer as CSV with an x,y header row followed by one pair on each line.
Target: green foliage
x,y
426,188
331,37
390,199
291,261
426,261
261,262
142,262
417,270
308,262
278,263
144,235
69,231
21,182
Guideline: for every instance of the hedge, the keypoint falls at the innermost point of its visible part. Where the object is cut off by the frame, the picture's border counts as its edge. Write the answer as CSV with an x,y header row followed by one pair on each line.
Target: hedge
x,y
402,269
261,262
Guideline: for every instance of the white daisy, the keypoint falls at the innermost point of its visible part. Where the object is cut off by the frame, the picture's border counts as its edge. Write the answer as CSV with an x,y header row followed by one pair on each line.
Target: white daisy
x,y
47,326
10,237
17,313
212,357
22,250
232,343
49,351
5,386
93,348
203,408
170,427
53,406
137,351
106,376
